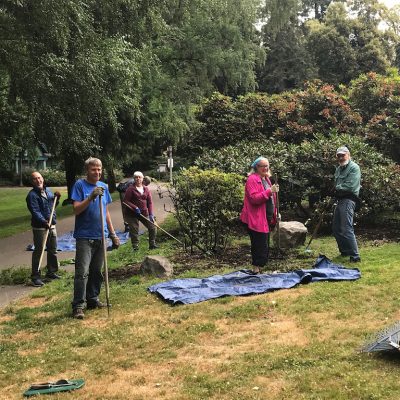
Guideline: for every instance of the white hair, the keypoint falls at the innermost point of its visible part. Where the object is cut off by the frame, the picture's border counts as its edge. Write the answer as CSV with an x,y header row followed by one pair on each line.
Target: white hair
x,y
137,173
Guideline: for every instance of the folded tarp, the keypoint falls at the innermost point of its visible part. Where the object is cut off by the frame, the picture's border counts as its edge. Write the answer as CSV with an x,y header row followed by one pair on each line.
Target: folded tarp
x,y
67,241
240,283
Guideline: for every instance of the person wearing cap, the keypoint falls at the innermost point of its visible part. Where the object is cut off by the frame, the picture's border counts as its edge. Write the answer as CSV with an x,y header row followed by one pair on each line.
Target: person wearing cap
x,y
347,188
259,212
139,207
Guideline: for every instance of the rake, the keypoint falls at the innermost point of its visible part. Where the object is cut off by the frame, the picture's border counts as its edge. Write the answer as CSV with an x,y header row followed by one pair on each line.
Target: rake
x,y
387,339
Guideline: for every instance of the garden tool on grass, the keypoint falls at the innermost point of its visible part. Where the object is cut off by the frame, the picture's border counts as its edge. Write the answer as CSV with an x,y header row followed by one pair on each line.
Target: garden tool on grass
x,y
46,236
104,243
156,225
316,229
61,385
387,339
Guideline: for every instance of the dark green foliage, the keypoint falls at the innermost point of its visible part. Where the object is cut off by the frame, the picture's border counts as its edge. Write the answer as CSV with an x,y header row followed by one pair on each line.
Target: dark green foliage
x,y
207,203
307,169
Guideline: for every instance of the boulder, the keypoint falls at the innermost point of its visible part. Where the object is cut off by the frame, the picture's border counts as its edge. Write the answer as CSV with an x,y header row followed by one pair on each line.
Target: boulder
x,y
292,234
158,266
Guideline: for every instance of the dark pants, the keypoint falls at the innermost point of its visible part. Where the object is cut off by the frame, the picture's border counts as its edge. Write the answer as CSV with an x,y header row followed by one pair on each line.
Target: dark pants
x,y
89,261
133,222
51,245
259,247
343,228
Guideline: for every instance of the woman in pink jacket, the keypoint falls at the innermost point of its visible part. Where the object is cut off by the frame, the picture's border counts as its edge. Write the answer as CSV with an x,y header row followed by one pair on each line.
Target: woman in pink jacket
x,y
259,211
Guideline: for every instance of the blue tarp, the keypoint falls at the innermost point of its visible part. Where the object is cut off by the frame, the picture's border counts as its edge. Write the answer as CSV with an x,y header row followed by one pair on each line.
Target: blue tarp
x,y
66,242
240,283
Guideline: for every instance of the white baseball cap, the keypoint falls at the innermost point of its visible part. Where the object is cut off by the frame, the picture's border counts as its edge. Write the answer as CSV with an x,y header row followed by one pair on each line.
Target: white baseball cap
x,y
342,150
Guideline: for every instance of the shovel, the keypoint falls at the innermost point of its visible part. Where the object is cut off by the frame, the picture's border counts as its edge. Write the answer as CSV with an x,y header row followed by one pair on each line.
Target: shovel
x,y
46,236
103,238
316,229
156,225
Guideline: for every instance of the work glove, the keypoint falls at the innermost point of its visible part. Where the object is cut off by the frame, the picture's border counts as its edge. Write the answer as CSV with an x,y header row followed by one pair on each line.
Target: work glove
x,y
275,188
97,191
115,240
279,217
58,195
137,211
151,218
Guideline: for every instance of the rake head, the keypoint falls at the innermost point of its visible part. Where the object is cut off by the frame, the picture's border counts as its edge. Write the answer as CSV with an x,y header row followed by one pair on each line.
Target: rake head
x,y
387,339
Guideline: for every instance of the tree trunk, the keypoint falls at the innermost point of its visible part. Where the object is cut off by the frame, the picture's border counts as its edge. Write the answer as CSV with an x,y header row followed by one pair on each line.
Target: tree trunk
x,y
71,171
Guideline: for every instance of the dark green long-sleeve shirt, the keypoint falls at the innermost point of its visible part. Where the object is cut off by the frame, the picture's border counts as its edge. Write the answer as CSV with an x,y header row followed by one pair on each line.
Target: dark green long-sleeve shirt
x,y
348,178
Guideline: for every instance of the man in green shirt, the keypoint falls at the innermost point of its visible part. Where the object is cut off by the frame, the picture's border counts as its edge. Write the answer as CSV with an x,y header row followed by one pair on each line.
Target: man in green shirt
x,y
347,189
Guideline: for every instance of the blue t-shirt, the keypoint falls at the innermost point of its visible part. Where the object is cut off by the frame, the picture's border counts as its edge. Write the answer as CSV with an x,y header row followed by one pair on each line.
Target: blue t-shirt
x,y
88,222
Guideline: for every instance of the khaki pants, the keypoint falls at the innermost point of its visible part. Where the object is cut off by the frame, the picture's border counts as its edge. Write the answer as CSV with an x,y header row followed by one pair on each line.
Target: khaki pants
x,y
133,223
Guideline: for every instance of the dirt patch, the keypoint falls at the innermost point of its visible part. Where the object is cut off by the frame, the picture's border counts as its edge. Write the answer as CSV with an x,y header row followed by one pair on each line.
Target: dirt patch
x,y
125,272
32,302
6,318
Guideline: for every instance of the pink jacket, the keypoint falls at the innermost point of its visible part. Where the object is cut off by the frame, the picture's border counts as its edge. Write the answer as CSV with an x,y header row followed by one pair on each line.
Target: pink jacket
x,y
254,212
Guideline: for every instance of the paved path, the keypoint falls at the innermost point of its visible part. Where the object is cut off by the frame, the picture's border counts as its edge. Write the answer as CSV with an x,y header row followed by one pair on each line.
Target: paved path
x,y
14,254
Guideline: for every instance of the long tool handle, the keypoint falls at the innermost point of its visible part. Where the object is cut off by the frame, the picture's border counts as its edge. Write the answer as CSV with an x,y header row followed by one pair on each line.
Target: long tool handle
x,y
277,216
103,238
46,236
158,226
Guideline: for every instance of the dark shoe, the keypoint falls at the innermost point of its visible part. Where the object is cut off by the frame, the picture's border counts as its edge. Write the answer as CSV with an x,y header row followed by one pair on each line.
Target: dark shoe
x,y
355,259
153,246
52,275
97,304
78,313
37,282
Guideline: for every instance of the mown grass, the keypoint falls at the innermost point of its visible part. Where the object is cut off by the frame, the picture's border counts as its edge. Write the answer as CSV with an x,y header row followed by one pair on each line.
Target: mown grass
x,y
300,343
14,215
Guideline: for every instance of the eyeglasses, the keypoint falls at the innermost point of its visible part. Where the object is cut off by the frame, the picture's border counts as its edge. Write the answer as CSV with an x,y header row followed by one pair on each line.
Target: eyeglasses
x,y
263,166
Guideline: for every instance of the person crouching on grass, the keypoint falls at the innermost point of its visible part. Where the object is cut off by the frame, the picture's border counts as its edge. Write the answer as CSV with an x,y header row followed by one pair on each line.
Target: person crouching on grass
x,y
259,211
139,204
89,258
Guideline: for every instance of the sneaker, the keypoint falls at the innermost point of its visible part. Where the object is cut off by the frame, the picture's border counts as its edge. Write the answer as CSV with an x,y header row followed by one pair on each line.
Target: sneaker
x,y
153,246
97,304
52,275
37,282
78,313
355,259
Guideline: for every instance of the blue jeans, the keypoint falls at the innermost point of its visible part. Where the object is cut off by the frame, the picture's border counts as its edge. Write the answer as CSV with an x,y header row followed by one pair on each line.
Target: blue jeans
x,y
89,260
343,229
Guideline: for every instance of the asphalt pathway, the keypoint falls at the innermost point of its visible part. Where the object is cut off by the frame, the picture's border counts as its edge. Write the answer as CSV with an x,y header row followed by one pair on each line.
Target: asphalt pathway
x,y
13,251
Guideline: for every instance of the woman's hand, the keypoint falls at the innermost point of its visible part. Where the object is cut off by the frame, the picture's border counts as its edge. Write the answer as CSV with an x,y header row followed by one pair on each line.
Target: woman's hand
x,y
275,188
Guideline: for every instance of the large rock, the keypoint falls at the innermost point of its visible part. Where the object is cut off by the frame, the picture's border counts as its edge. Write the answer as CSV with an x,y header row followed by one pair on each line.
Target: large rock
x,y
158,266
292,234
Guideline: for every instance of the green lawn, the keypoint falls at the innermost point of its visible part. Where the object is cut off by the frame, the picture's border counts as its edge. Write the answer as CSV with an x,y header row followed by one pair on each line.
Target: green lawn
x,y
300,343
14,215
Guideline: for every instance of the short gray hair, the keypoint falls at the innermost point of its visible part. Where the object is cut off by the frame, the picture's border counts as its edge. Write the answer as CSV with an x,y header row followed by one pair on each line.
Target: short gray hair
x,y
92,161
138,173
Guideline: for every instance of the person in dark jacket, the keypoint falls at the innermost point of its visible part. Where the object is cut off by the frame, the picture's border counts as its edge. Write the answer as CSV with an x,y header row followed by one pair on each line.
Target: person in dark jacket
x,y
347,188
139,205
40,202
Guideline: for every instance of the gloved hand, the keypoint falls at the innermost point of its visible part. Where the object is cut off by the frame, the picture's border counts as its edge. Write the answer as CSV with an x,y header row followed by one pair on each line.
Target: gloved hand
x,y
275,188
279,217
151,218
97,191
58,195
115,240
137,211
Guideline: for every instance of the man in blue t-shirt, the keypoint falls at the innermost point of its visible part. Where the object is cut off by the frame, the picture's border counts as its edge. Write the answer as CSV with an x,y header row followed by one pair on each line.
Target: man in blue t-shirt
x,y
89,258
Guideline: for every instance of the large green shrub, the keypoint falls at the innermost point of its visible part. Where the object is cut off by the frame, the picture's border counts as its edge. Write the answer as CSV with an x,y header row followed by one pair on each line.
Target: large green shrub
x,y
207,203
306,170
